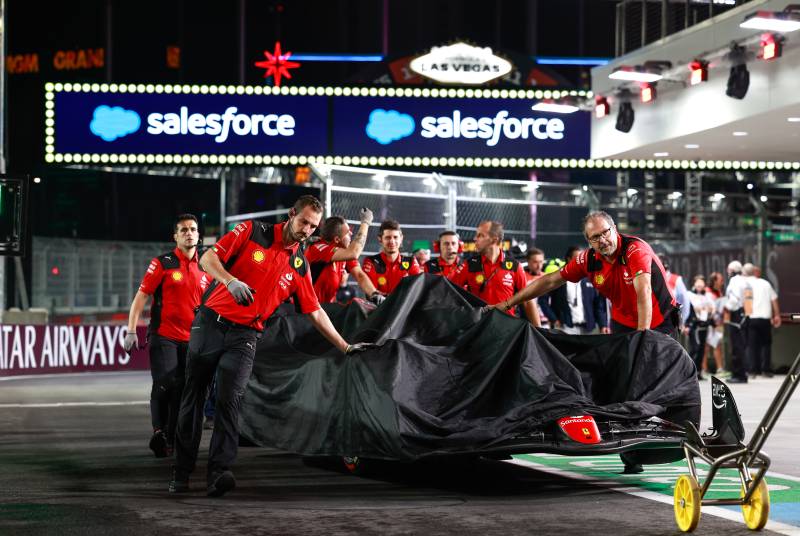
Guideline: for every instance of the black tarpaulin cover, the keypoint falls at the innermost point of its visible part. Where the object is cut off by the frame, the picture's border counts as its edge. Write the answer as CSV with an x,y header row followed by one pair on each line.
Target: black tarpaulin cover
x,y
447,378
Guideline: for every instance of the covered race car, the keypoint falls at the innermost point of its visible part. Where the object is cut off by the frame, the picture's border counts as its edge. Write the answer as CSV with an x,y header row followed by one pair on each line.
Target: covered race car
x,y
448,379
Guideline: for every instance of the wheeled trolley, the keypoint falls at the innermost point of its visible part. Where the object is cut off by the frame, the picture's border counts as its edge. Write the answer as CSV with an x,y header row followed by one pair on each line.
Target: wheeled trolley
x,y
724,448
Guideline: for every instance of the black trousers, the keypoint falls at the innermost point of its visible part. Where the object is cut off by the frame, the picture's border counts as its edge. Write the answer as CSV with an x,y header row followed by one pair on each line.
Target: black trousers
x,y
697,344
665,327
737,337
759,345
216,347
167,368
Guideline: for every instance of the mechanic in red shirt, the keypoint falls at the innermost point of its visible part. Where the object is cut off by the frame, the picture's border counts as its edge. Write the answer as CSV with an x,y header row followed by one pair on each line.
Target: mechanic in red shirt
x,y
622,268
173,280
384,271
490,275
255,268
335,254
450,246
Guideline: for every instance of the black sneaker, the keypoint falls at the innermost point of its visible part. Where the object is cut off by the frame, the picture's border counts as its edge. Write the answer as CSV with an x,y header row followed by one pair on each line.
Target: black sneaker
x,y
158,444
179,482
768,374
736,380
220,483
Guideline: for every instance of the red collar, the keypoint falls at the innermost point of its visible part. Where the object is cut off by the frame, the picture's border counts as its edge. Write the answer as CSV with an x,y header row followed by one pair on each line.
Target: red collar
x,y
386,260
181,257
279,238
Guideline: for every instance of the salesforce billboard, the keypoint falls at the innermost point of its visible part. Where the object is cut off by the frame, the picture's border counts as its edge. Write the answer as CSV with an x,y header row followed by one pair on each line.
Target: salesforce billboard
x,y
253,125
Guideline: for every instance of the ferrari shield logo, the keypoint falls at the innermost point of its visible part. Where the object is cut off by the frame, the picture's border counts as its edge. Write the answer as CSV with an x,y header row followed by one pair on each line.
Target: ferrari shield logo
x,y
177,276
298,262
258,256
479,278
509,264
381,280
405,265
599,279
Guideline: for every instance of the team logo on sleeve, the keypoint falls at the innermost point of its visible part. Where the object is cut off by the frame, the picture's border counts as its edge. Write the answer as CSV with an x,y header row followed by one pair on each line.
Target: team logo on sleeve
x,y
509,264
479,278
258,256
599,279
381,280
298,262
177,276
405,265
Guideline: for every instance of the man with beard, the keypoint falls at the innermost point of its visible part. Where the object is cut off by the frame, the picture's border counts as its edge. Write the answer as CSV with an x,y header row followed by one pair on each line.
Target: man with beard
x,y
622,268
448,260
490,275
254,268
336,254
173,280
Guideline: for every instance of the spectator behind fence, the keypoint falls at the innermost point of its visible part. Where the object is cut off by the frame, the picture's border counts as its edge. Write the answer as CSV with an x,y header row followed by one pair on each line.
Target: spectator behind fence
x,y
701,317
765,315
735,320
715,289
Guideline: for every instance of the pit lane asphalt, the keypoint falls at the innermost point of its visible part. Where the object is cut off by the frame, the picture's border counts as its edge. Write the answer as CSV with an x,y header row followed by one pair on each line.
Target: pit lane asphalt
x,y
74,460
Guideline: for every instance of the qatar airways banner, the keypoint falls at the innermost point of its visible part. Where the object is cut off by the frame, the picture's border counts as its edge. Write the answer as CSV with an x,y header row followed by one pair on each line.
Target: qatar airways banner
x,y
52,349
262,125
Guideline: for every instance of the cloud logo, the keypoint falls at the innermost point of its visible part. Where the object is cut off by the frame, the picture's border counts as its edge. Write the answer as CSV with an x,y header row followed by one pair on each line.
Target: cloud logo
x,y
386,126
112,123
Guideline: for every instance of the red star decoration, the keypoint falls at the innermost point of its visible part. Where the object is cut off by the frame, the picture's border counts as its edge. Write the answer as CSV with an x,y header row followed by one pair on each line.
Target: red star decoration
x,y
277,64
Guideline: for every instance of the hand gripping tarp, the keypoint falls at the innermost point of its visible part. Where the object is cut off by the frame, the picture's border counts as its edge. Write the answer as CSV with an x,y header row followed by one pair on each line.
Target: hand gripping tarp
x,y
447,378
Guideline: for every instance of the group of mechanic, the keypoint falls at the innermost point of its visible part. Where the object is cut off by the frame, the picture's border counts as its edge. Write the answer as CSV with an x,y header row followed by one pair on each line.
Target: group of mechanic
x,y
208,311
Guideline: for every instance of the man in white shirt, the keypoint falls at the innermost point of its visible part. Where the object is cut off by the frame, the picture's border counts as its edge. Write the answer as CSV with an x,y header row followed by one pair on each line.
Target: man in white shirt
x,y
764,315
735,320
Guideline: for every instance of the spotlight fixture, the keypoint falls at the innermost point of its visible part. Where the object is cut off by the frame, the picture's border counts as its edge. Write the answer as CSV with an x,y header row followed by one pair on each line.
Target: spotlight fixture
x,y
648,92
699,72
601,107
771,46
784,21
739,77
649,72
625,116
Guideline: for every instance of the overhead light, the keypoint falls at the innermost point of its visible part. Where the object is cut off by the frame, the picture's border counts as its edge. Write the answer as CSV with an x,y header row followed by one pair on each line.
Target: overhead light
x,y
691,146
764,198
576,191
740,133
37,180
770,47
739,77
749,185
793,119
784,21
635,74
660,155
601,107
648,92
552,107
625,116
699,72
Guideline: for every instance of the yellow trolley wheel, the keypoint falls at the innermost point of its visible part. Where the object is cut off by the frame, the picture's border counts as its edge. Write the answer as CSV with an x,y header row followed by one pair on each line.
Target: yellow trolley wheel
x,y
756,512
687,503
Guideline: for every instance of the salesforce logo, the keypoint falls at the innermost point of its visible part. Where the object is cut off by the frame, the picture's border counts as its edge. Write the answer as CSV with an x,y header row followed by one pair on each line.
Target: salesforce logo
x,y
491,129
111,123
221,126
386,126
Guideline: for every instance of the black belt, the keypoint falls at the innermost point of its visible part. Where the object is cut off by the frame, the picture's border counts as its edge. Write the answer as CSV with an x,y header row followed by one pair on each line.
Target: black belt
x,y
218,318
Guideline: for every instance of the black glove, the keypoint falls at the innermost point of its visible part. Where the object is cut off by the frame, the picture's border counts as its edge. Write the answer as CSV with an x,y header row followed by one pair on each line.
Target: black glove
x,y
377,298
131,341
366,215
241,292
358,347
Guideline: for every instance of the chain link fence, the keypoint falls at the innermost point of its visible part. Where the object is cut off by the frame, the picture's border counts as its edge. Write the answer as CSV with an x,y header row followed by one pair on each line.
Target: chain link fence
x,y
88,276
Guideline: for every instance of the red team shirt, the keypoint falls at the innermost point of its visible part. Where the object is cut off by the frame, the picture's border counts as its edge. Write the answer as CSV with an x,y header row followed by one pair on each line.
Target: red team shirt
x,y
254,253
176,292
491,282
327,274
386,281
614,280
437,267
